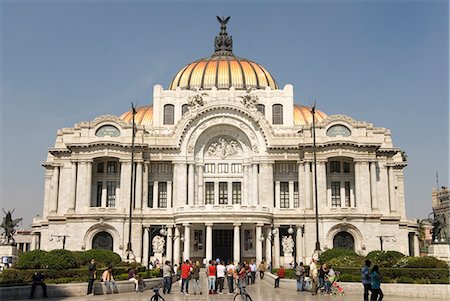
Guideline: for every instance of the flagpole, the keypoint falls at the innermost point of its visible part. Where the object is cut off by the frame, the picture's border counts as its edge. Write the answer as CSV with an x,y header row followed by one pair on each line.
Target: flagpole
x,y
129,251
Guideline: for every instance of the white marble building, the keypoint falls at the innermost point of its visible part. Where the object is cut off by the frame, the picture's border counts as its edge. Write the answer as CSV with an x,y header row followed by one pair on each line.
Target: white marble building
x,y
218,168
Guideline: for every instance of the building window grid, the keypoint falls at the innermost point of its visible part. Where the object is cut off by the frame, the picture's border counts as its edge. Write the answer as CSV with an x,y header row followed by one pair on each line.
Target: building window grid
x,y
209,168
223,193
169,111
162,194
100,167
284,195
209,193
346,167
277,114
296,195
236,167
237,193
335,166
111,193
222,168
335,194
98,200
347,193
150,195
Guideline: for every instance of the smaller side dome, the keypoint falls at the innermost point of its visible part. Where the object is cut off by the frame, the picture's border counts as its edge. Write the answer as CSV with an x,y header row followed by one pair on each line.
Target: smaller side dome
x,y
303,116
144,116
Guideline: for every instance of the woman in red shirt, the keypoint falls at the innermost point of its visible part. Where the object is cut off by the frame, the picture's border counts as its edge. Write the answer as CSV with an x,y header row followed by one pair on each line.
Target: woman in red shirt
x,y
185,273
212,276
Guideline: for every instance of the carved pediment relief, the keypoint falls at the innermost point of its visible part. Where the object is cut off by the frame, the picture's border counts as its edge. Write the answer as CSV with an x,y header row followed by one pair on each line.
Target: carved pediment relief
x,y
224,148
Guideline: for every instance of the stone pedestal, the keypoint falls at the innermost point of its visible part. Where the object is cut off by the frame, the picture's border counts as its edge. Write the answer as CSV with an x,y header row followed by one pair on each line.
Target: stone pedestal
x,y
440,251
288,261
8,254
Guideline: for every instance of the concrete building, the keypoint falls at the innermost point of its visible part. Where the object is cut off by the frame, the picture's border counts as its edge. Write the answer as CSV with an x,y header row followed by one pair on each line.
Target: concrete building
x,y
224,167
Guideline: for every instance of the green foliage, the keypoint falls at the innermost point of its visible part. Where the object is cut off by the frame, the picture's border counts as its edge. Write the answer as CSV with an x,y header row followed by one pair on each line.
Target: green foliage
x,y
103,258
346,261
420,262
31,260
385,259
60,260
336,252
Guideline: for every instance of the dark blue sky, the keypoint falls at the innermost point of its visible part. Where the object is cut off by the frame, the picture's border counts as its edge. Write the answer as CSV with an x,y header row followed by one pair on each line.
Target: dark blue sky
x,y
384,62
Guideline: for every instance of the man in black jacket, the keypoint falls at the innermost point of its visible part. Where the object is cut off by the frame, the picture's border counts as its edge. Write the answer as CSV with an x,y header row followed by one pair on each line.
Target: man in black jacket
x,y
38,279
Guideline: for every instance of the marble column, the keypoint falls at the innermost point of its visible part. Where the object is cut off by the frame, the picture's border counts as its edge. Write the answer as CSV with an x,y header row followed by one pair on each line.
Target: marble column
x,y
169,194
191,184
54,190
298,244
322,184
73,187
181,186
145,248
301,185
169,246
276,251
208,241
176,247
81,179
266,185
245,186
155,194
392,200
200,184
187,242
258,243
277,194
138,199
357,200
47,189
269,247
88,183
373,184
236,243
308,186
255,184
145,185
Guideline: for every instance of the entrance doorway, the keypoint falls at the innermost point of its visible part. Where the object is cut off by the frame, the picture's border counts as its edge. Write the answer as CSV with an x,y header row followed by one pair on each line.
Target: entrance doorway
x,y
223,244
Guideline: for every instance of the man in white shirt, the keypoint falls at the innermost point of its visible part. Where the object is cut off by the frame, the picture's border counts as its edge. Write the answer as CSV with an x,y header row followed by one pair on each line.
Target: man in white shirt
x,y
220,276
231,270
253,272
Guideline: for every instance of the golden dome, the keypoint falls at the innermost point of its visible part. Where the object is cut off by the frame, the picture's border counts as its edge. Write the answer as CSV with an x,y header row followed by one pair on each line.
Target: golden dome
x,y
223,69
223,72
303,116
144,116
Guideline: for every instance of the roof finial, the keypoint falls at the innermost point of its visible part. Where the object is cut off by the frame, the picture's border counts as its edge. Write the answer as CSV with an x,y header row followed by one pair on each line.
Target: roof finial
x,y
223,43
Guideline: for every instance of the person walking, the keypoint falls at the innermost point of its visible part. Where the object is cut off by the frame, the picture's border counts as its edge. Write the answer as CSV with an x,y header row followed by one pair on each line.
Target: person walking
x,y
220,277
92,276
365,278
167,276
108,280
38,279
211,272
185,275
253,271
314,275
195,277
300,277
231,272
262,269
377,293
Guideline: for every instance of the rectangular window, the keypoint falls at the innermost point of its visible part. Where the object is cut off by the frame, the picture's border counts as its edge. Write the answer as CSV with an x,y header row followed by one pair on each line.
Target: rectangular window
x,y
150,195
346,167
277,114
284,195
347,194
98,199
261,108
162,195
236,167
335,194
222,167
111,193
335,166
237,193
169,111
209,193
112,167
296,195
27,247
210,168
100,167
223,193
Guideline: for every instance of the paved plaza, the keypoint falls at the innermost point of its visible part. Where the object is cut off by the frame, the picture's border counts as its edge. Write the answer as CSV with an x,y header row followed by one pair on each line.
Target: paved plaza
x,y
261,291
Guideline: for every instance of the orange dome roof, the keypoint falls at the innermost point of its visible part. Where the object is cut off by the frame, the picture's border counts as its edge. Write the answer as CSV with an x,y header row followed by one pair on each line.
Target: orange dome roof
x,y
144,115
303,116
223,72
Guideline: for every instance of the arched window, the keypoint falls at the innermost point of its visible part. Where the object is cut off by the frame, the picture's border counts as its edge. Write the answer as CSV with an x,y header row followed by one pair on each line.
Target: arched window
x,y
102,240
344,240
169,111
277,114
184,109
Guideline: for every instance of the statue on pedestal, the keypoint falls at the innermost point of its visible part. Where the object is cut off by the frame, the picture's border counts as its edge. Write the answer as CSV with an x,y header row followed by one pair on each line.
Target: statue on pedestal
x,y
8,224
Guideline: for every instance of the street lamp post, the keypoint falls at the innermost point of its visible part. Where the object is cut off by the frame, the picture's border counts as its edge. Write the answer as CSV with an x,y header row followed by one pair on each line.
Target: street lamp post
x,y
129,251
386,238
317,249
59,238
270,237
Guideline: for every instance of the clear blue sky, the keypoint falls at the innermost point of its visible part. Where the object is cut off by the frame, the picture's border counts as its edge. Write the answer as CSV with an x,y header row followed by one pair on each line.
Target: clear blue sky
x,y
384,62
